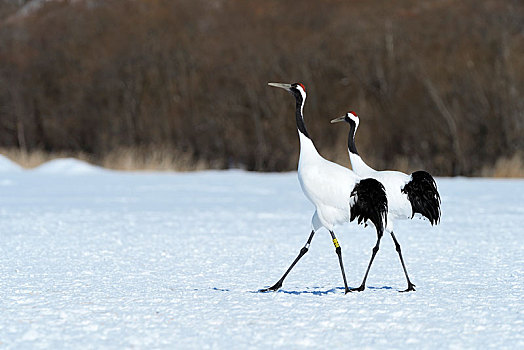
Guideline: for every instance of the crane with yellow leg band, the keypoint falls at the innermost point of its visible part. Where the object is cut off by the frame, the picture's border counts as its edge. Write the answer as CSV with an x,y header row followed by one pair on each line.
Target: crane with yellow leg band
x,y
338,194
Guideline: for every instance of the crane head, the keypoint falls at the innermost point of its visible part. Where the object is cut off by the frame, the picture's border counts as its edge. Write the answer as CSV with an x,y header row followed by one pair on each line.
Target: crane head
x,y
350,118
296,89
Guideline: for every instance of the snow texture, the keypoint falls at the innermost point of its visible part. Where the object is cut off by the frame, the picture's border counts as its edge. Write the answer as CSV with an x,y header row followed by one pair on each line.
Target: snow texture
x,y
67,166
107,260
7,166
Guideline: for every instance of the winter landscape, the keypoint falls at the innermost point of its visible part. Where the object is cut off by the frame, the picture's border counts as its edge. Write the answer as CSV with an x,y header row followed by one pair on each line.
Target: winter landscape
x,y
91,258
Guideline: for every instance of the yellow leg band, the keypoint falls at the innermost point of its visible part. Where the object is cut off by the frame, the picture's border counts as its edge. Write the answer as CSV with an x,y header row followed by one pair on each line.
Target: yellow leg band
x,y
335,242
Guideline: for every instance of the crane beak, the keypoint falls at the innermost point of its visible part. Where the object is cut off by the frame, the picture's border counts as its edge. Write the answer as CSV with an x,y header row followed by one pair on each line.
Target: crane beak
x,y
286,87
336,120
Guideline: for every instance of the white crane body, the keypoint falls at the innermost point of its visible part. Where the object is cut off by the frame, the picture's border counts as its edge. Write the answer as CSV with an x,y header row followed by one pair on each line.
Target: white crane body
x,y
327,185
399,206
408,195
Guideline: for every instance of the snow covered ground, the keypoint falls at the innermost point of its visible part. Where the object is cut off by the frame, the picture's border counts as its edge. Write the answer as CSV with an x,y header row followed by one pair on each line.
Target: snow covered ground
x,y
93,259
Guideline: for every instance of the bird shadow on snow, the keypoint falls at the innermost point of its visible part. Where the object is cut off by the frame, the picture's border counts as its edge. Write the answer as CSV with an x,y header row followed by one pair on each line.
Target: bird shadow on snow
x,y
383,287
315,291
312,290
318,291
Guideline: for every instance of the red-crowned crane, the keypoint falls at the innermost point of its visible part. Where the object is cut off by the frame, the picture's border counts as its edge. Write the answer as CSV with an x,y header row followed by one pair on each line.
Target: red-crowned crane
x,y
407,194
337,193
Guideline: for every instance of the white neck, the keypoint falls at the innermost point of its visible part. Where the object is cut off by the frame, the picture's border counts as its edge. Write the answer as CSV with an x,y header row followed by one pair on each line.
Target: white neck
x,y
359,166
308,152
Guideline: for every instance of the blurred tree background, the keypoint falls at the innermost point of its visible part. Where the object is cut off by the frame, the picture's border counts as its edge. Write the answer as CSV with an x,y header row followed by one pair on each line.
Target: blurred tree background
x,y
183,83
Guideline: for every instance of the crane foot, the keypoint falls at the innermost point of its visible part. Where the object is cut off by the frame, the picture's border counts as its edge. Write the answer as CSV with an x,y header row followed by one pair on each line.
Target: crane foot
x,y
359,289
411,288
273,288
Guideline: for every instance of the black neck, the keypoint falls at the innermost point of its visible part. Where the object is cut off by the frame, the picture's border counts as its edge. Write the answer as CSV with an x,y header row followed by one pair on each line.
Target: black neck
x,y
300,119
351,138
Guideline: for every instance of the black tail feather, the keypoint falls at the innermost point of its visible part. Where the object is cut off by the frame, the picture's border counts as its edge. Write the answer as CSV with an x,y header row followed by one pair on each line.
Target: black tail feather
x,y
371,203
423,195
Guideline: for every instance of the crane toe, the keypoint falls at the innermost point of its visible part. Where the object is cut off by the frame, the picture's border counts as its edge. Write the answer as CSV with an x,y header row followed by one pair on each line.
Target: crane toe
x,y
359,289
273,288
410,288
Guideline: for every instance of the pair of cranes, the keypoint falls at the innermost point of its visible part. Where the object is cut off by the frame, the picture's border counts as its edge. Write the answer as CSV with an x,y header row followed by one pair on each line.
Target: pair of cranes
x,y
341,195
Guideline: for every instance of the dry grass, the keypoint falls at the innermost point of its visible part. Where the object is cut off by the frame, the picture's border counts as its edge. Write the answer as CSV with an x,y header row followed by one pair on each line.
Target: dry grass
x,y
507,167
131,159
126,159
33,159
159,159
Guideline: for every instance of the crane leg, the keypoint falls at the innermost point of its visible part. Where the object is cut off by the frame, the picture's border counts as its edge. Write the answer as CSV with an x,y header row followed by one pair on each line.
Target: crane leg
x,y
411,286
338,250
375,250
303,251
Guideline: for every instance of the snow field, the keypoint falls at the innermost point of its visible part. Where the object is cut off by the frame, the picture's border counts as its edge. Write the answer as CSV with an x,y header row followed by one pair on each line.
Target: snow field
x,y
97,259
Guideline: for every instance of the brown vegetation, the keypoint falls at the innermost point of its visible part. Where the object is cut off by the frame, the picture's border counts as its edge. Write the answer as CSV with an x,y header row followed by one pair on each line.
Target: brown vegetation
x,y
182,84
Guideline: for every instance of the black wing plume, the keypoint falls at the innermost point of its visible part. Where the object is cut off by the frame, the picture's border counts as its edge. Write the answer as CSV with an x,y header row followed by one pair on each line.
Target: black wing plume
x,y
423,195
371,203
